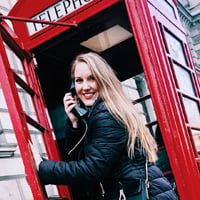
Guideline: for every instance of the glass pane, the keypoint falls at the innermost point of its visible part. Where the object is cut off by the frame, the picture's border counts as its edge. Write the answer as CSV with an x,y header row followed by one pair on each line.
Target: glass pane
x,y
192,110
15,62
175,48
7,162
51,191
36,137
136,88
163,161
5,120
13,183
26,101
184,80
167,7
37,140
146,109
196,138
2,100
158,136
130,88
15,189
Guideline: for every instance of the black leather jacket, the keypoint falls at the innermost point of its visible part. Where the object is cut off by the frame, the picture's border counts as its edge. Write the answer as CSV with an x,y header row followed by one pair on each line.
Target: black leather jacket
x,y
101,157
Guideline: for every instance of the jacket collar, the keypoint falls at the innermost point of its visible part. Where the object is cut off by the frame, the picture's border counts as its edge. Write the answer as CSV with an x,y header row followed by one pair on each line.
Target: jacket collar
x,y
91,108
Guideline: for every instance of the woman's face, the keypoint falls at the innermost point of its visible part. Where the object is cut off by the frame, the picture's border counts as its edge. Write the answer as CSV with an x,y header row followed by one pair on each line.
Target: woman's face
x,y
86,86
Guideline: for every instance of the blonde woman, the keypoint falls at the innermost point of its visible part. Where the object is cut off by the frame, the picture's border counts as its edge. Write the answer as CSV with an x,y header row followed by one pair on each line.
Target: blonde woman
x,y
107,150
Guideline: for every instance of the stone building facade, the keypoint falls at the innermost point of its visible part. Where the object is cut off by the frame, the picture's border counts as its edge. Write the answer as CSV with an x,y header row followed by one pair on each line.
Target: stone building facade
x,y
189,12
5,6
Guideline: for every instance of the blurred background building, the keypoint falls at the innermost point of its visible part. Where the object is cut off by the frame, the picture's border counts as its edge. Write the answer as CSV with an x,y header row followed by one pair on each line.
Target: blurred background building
x,y
189,12
6,5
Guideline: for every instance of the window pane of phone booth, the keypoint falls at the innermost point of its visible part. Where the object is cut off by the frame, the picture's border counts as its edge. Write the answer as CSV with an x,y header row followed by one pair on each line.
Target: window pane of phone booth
x,y
15,62
12,174
26,101
15,188
175,48
137,90
184,80
2,100
168,8
157,135
164,165
36,137
130,88
51,191
145,108
5,120
196,138
192,111
163,160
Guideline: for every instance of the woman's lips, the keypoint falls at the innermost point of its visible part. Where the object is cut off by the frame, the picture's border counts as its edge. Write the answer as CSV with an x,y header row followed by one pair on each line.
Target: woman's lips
x,y
88,95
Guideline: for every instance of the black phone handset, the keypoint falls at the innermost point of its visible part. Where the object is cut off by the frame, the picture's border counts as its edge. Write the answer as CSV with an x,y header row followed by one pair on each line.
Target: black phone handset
x,y
79,112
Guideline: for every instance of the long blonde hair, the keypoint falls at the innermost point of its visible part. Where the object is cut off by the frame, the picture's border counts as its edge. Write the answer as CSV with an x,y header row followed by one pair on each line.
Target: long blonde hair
x,y
122,109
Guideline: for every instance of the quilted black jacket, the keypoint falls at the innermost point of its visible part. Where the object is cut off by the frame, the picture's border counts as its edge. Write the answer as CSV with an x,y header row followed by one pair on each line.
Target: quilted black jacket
x,y
102,157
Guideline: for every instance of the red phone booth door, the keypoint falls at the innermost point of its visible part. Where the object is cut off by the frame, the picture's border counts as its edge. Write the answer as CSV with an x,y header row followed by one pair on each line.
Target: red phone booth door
x,y
174,86
27,112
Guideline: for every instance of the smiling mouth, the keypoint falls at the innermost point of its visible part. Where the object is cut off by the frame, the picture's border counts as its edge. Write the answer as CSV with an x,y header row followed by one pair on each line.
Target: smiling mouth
x,y
89,95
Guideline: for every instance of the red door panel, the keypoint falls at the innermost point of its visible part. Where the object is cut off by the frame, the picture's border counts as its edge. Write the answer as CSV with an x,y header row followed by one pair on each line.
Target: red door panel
x,y
173,85
26,108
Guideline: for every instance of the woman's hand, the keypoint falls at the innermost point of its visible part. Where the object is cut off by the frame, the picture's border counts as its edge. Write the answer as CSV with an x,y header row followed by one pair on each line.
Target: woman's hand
x,y
36,155
69,104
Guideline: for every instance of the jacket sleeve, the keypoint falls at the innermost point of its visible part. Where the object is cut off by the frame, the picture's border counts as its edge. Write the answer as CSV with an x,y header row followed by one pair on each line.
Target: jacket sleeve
x,y
108,141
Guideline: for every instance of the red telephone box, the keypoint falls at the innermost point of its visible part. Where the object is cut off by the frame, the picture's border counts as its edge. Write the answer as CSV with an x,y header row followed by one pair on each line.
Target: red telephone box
x,y
144,42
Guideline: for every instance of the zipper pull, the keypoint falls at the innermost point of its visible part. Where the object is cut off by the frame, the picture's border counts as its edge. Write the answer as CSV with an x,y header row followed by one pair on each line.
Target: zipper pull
x,y
122,195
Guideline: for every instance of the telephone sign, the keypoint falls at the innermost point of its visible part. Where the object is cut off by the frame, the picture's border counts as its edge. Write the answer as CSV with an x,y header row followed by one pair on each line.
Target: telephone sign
x,y
54,13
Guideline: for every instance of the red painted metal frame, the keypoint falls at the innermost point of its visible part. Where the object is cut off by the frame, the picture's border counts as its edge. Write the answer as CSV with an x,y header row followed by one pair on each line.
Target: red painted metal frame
x,y
190,67
19,121
164,96
22,8
185,152
18,117
23,19
40,107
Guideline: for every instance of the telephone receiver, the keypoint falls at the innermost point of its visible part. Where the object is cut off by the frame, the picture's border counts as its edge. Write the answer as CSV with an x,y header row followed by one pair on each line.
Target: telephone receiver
x,y
79,112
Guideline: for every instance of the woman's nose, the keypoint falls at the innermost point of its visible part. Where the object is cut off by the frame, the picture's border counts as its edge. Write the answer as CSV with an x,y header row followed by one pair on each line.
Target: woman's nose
x,y
85,85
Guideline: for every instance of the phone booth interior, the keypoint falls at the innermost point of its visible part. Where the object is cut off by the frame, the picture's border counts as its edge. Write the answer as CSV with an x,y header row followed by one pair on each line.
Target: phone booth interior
x,y
108,33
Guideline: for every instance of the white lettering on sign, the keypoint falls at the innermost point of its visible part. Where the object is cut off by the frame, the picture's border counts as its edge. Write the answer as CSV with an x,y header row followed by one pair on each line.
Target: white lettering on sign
x,y
54,13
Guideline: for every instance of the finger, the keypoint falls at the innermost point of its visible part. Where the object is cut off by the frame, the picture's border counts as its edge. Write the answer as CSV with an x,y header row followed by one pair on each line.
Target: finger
x,y
69,103
67,98
67,94
69,108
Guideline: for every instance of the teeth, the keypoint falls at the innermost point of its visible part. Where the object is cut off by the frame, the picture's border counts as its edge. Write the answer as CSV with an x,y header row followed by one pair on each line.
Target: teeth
x,y
88,94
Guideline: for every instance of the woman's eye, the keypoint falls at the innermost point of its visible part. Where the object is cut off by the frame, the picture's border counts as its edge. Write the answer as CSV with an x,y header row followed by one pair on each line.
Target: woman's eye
x,y
78,80
92,78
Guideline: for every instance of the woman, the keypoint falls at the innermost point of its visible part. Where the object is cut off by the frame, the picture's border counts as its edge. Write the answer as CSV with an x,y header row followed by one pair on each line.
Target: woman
x,y
108,147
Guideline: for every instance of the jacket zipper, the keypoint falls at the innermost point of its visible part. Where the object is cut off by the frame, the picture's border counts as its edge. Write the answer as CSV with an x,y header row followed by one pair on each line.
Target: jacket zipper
x,y
86,128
